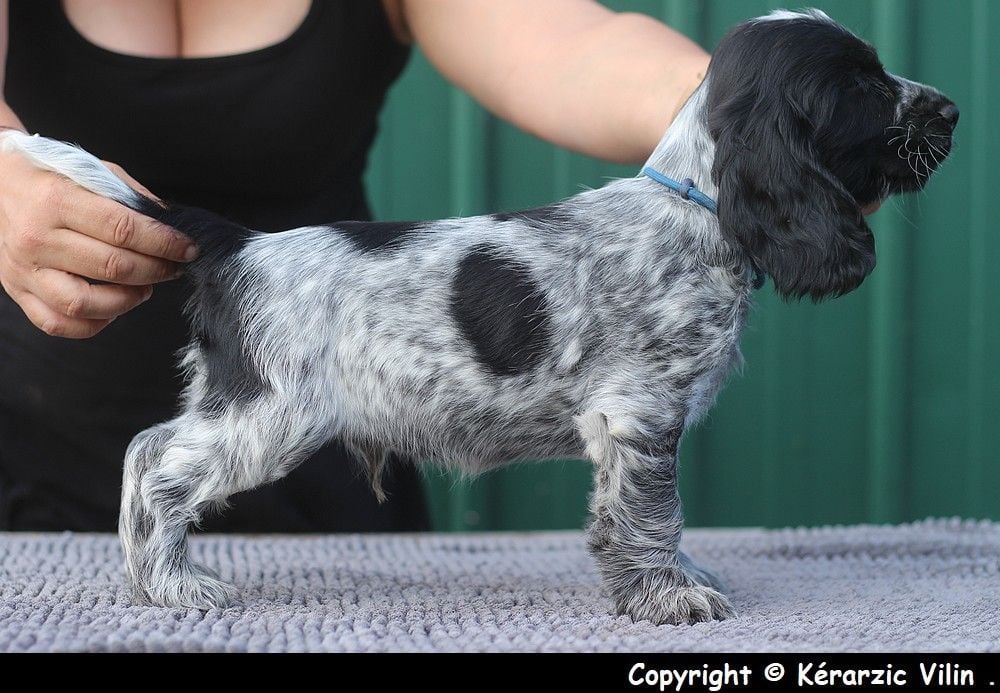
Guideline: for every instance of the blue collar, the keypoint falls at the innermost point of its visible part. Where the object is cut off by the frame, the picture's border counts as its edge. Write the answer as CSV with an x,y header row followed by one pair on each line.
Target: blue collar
x,y
688,191
685,187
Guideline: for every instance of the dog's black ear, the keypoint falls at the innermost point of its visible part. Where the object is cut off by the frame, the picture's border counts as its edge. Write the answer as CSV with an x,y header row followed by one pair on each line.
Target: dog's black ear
x,y
796,220
777,199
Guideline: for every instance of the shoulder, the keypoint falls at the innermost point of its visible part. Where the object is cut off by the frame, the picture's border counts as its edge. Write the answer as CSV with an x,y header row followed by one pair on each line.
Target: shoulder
x,y
395,13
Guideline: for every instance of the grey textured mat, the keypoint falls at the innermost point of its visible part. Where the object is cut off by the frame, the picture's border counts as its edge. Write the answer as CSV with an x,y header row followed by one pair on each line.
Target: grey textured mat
x,y
932,585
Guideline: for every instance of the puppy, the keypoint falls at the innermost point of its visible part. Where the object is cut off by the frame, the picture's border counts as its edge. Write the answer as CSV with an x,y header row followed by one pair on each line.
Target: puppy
x,y
601,326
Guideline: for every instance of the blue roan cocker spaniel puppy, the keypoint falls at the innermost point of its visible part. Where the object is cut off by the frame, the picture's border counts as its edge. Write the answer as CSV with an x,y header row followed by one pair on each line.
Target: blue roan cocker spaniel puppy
x,y
600,326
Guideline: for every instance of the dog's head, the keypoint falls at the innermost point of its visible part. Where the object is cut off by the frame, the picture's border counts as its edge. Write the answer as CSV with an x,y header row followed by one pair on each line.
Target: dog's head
x,y
810,132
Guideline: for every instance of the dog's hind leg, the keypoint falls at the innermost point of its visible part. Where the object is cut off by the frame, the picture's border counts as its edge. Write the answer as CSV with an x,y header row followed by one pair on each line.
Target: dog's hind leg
x,y
176,471
168,481
140,528
636,525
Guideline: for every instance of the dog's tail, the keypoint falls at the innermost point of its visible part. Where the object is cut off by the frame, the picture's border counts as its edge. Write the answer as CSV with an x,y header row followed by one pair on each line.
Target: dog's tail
x,y
217,238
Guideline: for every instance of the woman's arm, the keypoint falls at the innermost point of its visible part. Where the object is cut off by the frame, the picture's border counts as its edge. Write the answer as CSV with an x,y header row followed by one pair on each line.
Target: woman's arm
x,y
569,71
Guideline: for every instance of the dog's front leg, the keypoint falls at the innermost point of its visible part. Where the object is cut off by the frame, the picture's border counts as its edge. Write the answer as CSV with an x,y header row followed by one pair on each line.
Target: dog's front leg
x,y
636,525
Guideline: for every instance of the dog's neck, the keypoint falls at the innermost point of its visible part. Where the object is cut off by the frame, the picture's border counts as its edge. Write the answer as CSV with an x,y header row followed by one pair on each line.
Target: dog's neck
x,y
687,149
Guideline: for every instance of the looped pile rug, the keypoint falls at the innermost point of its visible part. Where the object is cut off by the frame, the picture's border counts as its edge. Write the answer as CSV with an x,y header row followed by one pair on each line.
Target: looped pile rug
x,y
932,585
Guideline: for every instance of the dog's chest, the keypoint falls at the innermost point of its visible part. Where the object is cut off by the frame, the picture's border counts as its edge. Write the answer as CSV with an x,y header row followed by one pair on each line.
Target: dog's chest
x,y
705,388
719,357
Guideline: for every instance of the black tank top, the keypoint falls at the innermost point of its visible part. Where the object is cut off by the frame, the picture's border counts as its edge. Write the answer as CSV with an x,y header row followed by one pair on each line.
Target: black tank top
x,y
274,138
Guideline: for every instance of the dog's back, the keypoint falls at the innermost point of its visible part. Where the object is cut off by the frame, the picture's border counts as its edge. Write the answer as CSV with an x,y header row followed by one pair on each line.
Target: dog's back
x,y
295,313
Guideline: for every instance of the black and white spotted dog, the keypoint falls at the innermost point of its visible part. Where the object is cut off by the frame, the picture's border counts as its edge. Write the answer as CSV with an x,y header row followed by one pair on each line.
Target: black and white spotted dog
x,y
600,326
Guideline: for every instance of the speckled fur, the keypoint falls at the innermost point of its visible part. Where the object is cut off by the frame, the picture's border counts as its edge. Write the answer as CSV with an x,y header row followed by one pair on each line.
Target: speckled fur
x,y
646,303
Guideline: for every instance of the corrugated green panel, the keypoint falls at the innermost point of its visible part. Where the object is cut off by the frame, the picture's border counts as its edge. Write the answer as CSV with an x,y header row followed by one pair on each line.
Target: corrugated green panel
x,y
891,308
984,255
880,406
955,377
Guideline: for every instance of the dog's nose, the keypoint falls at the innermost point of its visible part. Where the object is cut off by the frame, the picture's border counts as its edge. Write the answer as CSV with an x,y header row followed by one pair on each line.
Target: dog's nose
x,y
950,114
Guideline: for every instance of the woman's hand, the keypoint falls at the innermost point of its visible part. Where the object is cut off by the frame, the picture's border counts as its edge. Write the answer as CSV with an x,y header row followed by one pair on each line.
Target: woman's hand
x,y
55,236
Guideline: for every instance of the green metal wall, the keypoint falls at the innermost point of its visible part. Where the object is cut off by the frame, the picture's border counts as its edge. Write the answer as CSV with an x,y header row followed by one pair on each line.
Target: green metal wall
x,y
880,406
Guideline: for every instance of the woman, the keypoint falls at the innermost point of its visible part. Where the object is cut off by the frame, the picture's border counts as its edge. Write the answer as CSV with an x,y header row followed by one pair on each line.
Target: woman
x,y
263,111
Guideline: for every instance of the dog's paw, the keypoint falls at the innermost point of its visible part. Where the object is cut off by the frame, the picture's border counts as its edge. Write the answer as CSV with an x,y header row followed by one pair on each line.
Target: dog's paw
x,y
670,597
191,589
699,573
679,605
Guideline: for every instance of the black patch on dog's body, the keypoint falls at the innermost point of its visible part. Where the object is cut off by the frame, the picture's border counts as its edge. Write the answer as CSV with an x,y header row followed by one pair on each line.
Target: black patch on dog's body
x,y
540,218
214,308
375,236
229,374
500,311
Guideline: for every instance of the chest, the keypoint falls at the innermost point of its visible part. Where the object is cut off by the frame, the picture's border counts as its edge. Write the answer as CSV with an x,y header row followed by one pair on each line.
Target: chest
x,y
185,28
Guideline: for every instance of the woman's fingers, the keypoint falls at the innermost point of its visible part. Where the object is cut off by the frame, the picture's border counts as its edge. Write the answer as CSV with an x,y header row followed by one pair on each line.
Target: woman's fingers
x,y
51,322
117,225
83,255
76,298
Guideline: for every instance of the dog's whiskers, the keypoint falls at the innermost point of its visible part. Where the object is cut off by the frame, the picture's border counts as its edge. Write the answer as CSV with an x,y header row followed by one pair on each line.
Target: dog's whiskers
x,y
938,150
930,150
